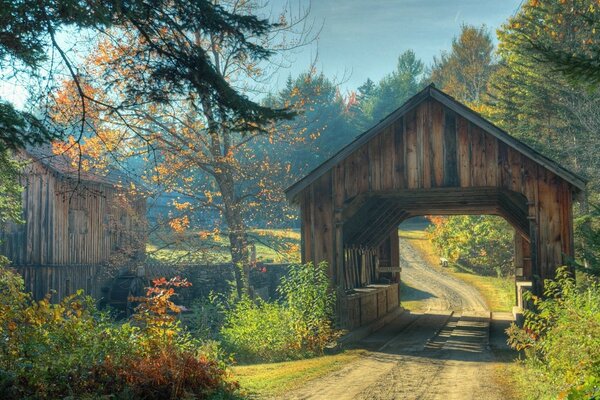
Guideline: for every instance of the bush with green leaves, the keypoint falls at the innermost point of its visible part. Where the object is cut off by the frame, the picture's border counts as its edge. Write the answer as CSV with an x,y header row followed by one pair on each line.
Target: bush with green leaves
x,y
70,349
560,339
587,240
298,326
483,243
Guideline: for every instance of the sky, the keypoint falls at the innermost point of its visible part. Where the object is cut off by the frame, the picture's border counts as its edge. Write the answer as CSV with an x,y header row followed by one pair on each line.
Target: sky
x,y
362,39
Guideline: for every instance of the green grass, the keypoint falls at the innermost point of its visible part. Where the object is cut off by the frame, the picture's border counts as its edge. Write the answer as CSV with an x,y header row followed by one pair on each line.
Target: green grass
x,y
272,245
265,380
499,293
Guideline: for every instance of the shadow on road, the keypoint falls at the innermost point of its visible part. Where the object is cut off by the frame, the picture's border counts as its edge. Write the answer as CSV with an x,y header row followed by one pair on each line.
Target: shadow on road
x,y
410,293
443,335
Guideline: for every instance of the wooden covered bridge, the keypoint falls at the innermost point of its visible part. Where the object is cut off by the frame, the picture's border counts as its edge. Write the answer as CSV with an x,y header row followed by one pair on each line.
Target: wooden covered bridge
x,y
432,156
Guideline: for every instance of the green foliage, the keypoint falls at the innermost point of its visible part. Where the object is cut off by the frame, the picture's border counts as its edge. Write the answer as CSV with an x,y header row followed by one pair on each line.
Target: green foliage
x,y
540,106
70,349
563,35
464,71
587,241
258,330
393,90
483,243
177,65
300,326
20,129
307,293
561,340
10,193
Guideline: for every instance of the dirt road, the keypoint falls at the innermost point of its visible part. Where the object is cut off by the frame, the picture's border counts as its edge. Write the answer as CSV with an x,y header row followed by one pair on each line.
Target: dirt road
x,y
440,290
444,353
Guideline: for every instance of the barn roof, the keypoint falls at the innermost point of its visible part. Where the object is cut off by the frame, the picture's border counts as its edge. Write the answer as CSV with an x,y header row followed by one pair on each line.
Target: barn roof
x,y
431,92
61,164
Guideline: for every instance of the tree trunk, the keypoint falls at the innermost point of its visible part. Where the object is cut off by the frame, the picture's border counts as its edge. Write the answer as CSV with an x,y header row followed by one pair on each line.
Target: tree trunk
x,y
224,174
238,237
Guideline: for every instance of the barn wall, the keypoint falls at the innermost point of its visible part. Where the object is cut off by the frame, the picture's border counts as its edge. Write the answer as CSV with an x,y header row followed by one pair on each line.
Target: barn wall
x,y
71,233
68,225
433,147
63,280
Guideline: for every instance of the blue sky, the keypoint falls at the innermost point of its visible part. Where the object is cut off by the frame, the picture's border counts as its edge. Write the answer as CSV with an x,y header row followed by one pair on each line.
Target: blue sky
x,y
362,39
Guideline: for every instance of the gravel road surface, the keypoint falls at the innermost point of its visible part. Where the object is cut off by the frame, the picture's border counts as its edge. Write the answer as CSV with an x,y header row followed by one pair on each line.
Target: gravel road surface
x,y
440,354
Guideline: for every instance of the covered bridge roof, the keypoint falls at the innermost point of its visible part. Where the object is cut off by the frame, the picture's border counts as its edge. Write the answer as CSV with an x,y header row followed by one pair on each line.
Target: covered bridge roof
x,y
431,92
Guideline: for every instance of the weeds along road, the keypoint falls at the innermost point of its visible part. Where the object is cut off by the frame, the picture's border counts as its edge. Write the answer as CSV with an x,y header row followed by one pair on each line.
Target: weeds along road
x,y
453,350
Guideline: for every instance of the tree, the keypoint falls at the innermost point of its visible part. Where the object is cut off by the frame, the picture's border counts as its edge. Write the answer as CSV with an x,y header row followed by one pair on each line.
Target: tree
x,y
563,35
10,193
321,126
483,243
395,88
464,72
194,145
540,106
174,62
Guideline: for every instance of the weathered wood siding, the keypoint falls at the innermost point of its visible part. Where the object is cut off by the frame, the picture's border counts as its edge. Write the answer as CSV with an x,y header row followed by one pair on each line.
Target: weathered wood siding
x,y
72,231
69,224
432,147
63,280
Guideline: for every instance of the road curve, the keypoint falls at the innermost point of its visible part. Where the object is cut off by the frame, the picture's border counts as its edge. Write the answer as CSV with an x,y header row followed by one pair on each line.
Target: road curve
x,y
444,291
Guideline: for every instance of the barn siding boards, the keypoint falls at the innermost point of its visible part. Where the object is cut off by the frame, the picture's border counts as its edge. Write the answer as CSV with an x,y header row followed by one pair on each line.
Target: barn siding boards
x,y
400,152
437,144
375,164
450,150
64,227
464,151
388,154
410,129
323,223
424,145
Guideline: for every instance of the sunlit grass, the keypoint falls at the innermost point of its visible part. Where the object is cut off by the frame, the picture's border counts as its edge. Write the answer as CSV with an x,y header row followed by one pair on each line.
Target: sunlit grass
x,y
272,246
499,293
264,380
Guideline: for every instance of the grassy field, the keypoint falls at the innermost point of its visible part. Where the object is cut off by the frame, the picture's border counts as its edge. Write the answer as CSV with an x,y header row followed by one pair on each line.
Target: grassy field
x,y
265,380
499,293
272,245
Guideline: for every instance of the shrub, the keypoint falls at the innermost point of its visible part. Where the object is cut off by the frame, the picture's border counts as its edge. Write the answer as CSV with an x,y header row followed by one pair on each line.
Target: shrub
x,y
299,326
72,350
258,330
483,243
561,340
306,293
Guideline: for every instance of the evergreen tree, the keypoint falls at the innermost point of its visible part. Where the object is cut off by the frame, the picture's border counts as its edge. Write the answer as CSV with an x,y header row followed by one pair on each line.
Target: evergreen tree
x,y
394,89
540,106
174,57
564,35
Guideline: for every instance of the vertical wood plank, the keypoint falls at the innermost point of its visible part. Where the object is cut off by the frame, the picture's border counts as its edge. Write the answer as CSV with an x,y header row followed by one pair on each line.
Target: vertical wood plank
x,y
450,162
437,144
464,151
411,150
399,160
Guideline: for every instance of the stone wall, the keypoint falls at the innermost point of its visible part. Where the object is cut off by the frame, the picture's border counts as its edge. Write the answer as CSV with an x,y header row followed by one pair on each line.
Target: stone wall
x,y
219,278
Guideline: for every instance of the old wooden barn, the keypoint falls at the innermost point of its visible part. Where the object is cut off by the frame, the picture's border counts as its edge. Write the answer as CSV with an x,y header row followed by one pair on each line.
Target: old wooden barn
x,y
77,226
432,156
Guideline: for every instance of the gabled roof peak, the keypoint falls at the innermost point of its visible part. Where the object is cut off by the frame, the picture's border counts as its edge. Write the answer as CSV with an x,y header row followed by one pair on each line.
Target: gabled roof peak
x,y
431,92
